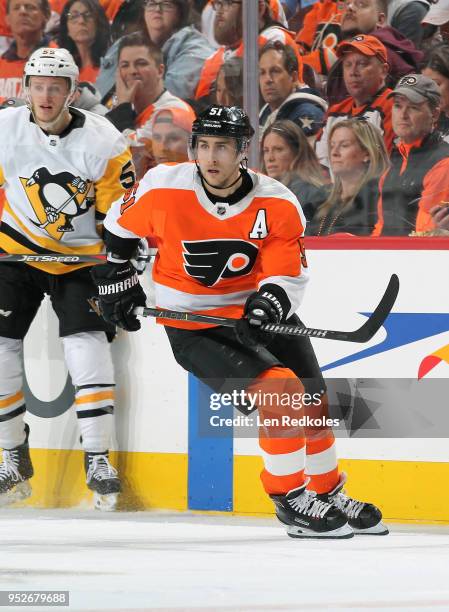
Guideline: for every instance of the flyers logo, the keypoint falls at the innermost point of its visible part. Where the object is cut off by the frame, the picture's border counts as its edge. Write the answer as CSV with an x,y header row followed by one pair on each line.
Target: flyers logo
x,y
212,260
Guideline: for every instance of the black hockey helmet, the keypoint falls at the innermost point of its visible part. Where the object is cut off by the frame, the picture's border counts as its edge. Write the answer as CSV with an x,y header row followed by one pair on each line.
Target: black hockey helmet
x,y
228,121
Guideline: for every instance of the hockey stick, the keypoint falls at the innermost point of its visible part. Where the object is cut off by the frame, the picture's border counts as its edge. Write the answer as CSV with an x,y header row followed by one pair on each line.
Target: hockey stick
x,y
67,259
363,334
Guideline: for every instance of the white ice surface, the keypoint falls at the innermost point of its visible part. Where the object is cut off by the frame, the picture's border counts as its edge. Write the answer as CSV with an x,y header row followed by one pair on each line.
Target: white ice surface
x,y
184,562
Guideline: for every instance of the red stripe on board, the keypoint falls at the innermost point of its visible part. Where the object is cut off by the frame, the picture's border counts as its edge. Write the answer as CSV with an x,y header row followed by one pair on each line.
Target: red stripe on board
x,y
355,243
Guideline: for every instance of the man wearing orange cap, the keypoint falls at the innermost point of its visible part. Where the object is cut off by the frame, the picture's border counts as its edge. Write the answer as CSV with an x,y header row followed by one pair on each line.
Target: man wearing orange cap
x,y
365,68
171,129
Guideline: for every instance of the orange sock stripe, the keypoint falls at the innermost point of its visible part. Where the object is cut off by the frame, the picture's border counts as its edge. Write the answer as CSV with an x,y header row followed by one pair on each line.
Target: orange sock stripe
x,y
319,444
6,403
95,397
279,485
323,483
280,446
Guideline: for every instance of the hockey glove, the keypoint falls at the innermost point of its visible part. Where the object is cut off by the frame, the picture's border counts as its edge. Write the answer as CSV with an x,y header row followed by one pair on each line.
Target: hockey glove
x,y
119,292
261,307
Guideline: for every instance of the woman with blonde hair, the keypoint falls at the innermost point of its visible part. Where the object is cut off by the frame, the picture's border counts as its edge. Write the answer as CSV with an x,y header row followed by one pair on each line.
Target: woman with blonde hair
x,y
358,158
287,156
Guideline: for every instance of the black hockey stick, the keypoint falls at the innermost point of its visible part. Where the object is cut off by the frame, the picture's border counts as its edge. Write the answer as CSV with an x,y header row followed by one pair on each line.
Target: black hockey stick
x,y
363,334
66,259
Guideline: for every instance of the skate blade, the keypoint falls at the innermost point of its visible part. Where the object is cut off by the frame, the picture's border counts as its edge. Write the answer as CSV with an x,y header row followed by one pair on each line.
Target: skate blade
x,y
380,529
343,532
105,503
21,491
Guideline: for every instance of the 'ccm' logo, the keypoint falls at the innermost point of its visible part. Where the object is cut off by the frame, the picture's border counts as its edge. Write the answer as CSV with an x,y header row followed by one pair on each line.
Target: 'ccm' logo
x,y
211,260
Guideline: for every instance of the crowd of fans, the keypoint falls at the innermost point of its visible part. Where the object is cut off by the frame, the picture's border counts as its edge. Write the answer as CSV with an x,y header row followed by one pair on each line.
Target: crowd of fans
x,y
354,94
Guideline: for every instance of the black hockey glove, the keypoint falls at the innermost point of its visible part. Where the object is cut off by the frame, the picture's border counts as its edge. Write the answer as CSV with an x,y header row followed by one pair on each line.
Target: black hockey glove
x,y
119,292
261,307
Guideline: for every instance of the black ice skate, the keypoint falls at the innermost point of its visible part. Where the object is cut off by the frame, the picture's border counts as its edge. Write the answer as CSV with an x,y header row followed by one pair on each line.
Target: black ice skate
x,y
103,480
363,518
15,471
307,516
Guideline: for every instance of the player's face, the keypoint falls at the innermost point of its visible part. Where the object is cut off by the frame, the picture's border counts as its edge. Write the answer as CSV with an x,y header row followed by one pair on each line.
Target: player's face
x,y
136,64
363,75
81,24
276,84
443,84
277,155
347,158
48,96
170,142
412,121
218,160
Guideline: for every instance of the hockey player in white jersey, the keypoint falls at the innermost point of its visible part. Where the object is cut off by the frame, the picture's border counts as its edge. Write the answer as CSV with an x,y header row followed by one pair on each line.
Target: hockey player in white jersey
x,y
60,169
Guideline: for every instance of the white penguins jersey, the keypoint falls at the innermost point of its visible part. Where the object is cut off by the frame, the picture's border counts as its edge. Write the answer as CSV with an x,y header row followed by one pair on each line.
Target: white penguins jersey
x,y
58,189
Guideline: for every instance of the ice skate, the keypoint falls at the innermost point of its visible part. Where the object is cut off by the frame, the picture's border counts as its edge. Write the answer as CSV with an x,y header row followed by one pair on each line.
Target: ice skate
x,y
307,516
103,480
15,471
364,518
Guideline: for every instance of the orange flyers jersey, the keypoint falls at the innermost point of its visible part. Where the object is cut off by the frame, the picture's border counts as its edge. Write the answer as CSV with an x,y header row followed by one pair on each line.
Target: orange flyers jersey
x,y
58,189
378,112
211,257
11,74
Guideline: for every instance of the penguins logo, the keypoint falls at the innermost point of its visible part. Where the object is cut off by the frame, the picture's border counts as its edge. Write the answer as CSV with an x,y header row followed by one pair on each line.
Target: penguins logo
x,y
56,199
209,261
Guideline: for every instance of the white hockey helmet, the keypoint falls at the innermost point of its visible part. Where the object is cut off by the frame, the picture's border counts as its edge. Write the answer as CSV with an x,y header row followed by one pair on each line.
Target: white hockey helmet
x,y
53,62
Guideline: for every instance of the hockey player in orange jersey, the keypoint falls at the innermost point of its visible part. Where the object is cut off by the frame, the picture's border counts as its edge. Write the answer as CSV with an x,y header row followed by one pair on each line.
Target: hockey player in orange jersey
x,y
230,243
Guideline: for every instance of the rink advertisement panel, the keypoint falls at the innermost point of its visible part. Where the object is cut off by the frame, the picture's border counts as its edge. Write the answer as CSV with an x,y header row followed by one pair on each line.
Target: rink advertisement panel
x,y
153,392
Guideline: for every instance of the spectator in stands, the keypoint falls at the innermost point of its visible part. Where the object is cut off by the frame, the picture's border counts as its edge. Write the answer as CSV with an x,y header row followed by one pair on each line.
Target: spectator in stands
x,y
418,178
228,24
364,62
285,96
358,158
184,48
229,86
171,129
5,32
406,16
437,68
84,31
369,17
140,91
320,35
26,21
128,18
288,157
208,19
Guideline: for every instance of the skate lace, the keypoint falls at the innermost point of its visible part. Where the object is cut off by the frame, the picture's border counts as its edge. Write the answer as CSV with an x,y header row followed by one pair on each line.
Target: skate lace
x,y
307,503
351,507
100,468
9,466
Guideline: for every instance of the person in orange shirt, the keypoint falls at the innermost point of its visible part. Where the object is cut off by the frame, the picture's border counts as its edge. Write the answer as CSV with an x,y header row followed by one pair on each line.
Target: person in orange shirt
x,y
228,33
140,91
84,30
417,180
27,21
365,68
230,243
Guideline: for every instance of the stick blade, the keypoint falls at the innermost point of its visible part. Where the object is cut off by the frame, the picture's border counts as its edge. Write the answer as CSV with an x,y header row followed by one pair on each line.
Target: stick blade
x,y
383,309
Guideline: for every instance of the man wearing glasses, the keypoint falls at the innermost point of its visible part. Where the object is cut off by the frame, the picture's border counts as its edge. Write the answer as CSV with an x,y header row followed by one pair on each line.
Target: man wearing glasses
x,y
228,33
27,21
